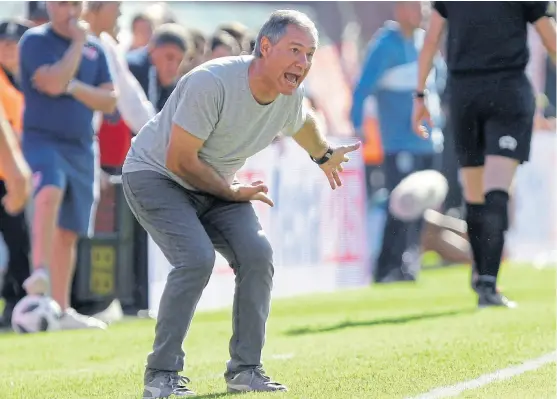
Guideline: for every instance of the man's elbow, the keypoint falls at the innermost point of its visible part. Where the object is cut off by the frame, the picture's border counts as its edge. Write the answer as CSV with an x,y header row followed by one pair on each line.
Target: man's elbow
x,y
180,164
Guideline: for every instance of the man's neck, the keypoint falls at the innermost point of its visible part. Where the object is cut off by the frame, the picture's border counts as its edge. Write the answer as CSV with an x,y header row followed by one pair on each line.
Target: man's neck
x,y
60,32
258,85
94,28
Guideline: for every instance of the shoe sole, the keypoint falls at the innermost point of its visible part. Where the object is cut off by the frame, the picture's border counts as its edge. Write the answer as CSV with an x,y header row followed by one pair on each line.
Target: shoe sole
x,y
509,305
236,391
173,395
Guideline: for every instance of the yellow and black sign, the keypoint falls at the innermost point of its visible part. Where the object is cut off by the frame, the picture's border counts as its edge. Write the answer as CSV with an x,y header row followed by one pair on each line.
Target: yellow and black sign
x,y
103,266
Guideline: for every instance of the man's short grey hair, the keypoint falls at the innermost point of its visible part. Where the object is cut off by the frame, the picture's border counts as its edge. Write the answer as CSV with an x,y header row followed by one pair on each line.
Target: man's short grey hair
x,y
275,27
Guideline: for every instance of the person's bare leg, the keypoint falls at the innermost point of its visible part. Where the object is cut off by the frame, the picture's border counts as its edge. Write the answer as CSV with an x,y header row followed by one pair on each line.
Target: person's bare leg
x,y
45,217
63,266
436,236
62,272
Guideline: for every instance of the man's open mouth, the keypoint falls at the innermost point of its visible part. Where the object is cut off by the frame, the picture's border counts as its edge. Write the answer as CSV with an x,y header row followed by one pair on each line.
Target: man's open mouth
x,y
292,78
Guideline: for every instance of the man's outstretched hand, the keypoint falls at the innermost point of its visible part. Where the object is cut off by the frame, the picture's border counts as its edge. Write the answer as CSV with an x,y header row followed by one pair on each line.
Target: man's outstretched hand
x,y
333,166
256,191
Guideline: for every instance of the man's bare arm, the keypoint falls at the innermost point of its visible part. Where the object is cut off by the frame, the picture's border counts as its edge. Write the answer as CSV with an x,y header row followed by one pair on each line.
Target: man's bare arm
x,y
53,79
182,159
102,98
310,138
429,48
17,174
545,27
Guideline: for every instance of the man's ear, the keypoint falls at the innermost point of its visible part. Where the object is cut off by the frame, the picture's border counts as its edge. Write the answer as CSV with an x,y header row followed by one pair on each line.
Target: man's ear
x,y
265,46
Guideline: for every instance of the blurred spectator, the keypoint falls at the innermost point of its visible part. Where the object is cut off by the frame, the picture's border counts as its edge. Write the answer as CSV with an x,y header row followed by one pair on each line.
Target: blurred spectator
x,y
13,228
102,16
36,12
160,14
133,108
250,40
64,78
239,32
391,62
156,66
197,55
222,44
142,30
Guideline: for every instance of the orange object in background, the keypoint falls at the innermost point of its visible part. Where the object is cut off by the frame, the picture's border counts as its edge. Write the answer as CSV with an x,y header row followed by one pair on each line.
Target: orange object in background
x,y
373,148
12,104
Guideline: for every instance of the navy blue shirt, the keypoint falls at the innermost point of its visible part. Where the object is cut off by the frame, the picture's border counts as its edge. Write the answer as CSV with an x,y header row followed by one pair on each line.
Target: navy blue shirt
x,y
141,67
62,118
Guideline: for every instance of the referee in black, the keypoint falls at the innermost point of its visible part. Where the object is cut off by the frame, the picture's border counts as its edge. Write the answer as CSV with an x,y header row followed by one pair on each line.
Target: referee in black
x,y
492,105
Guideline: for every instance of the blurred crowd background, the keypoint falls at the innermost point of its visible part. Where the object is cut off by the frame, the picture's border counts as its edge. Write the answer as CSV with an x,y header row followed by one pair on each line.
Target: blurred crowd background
x,y
353,87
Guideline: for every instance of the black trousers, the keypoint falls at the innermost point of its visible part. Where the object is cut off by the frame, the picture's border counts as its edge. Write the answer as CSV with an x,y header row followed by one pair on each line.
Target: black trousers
x,y
15,232
399,258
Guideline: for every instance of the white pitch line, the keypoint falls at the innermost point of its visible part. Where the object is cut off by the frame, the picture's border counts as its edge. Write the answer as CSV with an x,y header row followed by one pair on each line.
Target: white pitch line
x,y
499,375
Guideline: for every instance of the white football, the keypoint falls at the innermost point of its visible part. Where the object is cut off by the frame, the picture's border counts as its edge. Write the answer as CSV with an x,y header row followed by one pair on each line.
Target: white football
x,y
416,193
36,313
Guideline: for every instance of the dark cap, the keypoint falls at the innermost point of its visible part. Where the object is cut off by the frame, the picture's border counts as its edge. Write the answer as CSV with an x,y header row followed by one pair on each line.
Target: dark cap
x,y
12,30
36,11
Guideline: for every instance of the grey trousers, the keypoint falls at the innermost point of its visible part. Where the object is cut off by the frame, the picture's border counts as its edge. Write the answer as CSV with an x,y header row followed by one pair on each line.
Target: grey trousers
x,y
188,227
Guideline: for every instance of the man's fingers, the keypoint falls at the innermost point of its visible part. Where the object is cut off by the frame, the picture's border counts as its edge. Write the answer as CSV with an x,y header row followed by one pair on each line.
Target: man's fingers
x,y
259,187
349,148
422,131
340,168
263,198
336,177
331,180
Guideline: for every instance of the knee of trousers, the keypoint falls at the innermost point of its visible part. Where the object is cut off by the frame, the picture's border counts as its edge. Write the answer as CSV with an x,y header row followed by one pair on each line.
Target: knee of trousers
x,y
258,257
200,261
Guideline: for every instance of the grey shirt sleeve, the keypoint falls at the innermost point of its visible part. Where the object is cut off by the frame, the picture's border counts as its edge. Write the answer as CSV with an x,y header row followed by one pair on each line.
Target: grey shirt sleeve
x,y
199,109
297,115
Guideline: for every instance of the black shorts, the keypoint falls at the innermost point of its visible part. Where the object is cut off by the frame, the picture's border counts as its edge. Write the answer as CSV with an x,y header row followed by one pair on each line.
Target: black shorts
x,y
492,114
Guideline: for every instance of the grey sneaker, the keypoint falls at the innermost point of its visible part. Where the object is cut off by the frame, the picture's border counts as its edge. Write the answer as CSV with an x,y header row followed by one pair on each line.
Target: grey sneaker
x,y
253,381
162,384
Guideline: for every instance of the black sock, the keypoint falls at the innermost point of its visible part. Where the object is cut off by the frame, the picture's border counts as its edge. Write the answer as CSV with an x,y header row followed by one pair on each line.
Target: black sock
x,y
494,227
474,222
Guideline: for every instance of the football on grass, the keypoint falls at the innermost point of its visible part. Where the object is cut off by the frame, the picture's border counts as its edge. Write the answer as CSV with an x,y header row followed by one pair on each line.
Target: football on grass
x,y
36,313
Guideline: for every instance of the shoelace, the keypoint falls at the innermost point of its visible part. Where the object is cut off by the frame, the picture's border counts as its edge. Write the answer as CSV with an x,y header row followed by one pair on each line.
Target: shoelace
x,y
179,381
261,374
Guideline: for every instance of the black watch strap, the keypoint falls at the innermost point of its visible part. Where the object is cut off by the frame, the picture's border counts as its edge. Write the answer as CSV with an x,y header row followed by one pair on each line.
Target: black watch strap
x,y
324,158
420,94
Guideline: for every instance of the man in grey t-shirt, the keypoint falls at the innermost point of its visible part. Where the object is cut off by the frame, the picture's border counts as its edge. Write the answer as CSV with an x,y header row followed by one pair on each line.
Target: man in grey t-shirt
x,y
179,180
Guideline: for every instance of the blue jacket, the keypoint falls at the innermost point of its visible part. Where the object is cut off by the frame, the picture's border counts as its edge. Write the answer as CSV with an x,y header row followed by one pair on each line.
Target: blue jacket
x,y
390,74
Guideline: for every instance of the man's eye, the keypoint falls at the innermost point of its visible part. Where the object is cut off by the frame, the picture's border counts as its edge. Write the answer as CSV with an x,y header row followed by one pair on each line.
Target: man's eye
x,y
295,50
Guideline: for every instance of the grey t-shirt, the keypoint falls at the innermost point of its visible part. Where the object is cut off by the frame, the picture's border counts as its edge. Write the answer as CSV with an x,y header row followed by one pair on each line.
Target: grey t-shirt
x,y
214,102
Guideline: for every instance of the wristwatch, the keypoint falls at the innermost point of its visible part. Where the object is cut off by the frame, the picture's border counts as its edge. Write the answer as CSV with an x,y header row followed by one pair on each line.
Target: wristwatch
x,y
420,94
324,158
